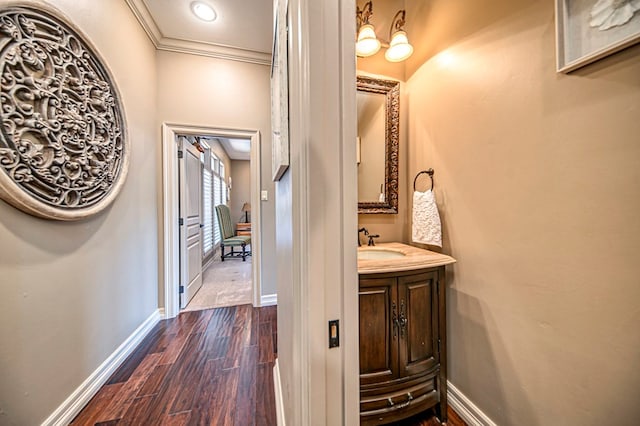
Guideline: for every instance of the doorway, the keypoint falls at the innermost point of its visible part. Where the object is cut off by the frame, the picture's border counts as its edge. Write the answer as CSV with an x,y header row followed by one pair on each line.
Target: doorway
x,y
225,171
171,196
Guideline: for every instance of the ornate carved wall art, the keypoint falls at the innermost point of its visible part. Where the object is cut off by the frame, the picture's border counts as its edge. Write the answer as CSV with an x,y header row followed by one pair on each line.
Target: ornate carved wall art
x,y
63,145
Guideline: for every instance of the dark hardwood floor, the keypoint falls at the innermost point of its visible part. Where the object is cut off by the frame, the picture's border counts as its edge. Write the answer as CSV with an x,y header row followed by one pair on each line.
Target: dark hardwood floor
x,y
211,367
428,419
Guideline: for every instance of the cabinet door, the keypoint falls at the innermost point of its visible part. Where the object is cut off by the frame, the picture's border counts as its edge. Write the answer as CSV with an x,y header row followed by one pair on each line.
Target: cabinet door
x,y
418,316
378,341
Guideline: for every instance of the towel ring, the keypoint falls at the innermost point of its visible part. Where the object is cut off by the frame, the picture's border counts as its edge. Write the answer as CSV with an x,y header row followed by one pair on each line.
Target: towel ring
x,y
429,172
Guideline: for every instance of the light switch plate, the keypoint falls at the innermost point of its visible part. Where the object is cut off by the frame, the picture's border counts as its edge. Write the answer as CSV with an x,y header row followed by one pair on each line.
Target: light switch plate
x,y
334,333
264,195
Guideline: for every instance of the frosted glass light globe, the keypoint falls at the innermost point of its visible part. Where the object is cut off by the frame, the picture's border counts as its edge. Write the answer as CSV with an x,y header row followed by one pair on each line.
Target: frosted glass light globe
x,y
399,48
367,44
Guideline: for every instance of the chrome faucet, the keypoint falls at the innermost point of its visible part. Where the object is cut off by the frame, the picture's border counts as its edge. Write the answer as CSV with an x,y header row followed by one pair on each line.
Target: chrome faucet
x,y
366,234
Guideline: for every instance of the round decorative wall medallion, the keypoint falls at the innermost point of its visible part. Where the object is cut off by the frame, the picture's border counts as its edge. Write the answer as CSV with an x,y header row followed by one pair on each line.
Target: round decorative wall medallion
x,y
64,152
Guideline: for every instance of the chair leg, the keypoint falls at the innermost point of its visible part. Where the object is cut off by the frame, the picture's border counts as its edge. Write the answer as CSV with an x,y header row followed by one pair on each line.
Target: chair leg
x,y
221,252
244,256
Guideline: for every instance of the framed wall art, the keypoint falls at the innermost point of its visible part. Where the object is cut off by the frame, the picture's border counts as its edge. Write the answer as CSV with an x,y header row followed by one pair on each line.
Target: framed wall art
x,y
64,151
280,93
589,30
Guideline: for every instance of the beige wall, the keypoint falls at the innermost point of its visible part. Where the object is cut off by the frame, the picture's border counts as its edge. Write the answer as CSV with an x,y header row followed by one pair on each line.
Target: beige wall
x,y
196,90
241,192
73,292
537,178
432,26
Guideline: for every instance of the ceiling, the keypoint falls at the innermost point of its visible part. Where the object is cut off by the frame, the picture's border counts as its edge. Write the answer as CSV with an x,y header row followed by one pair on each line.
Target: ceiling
x,y
242,30
236,149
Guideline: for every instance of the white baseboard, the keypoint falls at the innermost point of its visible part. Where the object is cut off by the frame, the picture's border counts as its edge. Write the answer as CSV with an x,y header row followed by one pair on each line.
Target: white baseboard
x,y
268,299
70,408
209,262
467,410
277,385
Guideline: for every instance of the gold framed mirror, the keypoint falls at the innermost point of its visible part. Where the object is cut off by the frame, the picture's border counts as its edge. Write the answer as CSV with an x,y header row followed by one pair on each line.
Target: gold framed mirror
x,y
378,104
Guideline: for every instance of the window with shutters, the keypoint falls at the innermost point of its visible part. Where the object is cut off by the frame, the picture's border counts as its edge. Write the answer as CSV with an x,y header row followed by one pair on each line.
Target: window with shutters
x,y
223,184
219,193
207,212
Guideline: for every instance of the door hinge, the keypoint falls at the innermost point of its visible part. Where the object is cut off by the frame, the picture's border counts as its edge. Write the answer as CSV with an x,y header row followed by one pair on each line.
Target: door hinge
x,y
180,154
181,290
181,221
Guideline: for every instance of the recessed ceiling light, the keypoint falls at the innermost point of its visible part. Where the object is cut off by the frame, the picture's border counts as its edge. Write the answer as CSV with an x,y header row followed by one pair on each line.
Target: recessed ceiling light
x,y
240,145
203,11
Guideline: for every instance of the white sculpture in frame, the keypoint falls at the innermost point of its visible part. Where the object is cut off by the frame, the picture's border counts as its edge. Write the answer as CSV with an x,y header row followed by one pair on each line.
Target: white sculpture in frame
x,y
280,92
64,150
589,30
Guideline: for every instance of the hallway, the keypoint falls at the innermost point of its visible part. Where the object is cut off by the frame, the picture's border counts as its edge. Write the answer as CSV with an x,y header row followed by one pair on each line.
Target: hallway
x,y
224,284
202,367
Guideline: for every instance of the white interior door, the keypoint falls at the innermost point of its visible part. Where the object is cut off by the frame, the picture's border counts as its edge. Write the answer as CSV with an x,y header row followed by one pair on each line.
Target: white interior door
x,y
190,229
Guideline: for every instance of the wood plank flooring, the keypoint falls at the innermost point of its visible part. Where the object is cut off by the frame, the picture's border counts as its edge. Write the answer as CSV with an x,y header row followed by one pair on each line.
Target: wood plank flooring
x,y
428,419
211,367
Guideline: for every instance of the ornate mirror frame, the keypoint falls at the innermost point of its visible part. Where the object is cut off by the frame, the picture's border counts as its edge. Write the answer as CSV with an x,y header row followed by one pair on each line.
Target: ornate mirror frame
x,y
391,90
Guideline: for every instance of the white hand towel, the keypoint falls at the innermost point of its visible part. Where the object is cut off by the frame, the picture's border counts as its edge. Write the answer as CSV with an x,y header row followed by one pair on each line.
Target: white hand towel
x,y
426,220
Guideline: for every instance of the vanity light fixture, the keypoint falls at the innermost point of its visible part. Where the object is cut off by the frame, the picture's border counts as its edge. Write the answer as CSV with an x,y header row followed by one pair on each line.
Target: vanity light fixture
x,y
203,11
399,47
368,44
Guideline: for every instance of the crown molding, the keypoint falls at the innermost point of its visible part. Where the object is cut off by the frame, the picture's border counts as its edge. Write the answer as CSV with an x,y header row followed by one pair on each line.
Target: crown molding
x,y
212,50
145,19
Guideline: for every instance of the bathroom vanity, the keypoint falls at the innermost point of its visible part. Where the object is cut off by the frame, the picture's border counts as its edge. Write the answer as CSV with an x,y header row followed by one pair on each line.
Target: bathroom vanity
x,y
403,362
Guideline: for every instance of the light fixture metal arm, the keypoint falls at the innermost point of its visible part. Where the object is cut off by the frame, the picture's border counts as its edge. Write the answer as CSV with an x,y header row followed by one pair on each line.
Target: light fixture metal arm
x,y
398,23
363,15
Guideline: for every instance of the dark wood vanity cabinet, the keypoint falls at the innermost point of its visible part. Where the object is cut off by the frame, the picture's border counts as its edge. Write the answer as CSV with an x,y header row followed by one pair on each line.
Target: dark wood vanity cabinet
x,y
402,345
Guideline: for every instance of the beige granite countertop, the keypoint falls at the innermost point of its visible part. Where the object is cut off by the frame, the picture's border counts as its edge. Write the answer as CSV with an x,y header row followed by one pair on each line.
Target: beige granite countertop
x,y
415,258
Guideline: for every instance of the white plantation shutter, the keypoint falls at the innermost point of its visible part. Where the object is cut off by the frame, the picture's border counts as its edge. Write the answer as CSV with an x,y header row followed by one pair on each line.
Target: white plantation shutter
x,y
224,184
219,193
217,196
207,196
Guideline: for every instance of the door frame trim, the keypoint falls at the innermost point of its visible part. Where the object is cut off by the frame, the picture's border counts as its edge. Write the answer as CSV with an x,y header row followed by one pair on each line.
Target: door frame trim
x,y
321,385
170,215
